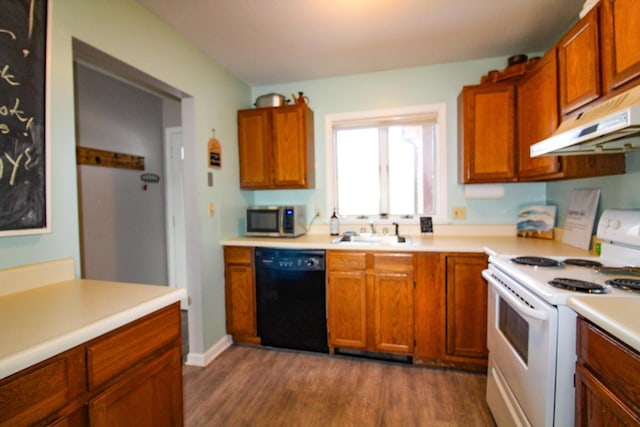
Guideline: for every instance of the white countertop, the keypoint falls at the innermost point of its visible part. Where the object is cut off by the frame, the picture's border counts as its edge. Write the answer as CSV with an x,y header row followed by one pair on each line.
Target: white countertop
x,y
617,315
423,243
41,322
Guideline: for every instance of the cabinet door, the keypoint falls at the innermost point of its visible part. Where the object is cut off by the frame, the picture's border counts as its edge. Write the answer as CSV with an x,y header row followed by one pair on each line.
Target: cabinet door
x,y
254,146
347,309
151,396
393,301
620,41
290,147
466,306
40,392
240,302
487,130
579,64
537,117
597,406
240,294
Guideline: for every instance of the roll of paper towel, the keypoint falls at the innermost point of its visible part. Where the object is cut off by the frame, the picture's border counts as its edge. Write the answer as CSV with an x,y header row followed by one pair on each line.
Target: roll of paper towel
x,y
484,191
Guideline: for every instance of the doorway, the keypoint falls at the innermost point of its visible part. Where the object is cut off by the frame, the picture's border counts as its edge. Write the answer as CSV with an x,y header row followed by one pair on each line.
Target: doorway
x,y
129,203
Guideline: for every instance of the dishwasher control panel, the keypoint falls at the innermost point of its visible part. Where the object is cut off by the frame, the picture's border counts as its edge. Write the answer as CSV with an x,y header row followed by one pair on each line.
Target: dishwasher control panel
x,y
292,260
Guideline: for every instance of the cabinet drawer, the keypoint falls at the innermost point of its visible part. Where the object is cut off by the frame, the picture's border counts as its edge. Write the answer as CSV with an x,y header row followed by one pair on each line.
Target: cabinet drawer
x,y
393,263
119,350
238,255
616,365
42,390
346,261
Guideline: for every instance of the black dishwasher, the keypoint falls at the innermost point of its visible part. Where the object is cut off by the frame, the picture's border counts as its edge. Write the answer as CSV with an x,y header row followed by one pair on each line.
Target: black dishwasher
x,y
291,299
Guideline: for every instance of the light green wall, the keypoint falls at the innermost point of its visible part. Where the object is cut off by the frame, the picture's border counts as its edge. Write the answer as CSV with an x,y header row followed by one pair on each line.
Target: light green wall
x,y
617,191
401,88
128,32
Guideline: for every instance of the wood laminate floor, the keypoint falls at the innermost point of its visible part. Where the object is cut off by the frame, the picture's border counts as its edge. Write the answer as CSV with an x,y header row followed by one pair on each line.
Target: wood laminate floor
x,y
253,386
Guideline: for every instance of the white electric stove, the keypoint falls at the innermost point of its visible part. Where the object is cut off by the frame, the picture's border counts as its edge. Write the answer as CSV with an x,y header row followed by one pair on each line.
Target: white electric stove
x,y
531,331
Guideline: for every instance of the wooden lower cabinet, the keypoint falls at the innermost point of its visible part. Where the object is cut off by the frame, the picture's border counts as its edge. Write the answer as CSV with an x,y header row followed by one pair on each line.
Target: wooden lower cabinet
x,y
607,379
451,307
370,301
152,396
131,376
240,294
466,308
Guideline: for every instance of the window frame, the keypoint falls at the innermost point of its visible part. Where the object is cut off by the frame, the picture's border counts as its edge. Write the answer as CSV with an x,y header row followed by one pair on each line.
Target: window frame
x,y
438,111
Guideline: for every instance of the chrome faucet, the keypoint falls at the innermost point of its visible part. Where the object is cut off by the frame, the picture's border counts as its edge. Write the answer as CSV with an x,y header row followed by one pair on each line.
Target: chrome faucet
x,y
373,229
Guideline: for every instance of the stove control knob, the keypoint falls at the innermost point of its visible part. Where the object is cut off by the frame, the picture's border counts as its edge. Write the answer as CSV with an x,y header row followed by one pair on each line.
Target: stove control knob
x,y
614,223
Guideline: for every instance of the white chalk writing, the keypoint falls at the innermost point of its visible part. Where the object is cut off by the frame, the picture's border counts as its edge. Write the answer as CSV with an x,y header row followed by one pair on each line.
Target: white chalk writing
x,y
8,77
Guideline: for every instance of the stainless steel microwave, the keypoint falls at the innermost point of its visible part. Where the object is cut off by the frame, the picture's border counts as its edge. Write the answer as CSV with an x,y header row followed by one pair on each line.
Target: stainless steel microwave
x,y
276,221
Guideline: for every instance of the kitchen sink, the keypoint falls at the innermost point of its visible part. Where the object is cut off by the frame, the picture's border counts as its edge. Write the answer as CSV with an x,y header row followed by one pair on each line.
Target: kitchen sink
x,y
372,239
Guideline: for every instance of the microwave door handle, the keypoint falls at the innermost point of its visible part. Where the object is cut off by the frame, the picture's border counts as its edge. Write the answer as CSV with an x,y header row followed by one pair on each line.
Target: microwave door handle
x,y
513,301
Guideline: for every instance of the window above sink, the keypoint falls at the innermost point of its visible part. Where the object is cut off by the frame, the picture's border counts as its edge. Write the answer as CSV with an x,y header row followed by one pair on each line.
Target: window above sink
x,y
388,164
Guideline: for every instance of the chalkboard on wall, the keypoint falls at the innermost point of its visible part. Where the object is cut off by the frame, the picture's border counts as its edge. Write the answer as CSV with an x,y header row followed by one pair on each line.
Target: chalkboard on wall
x,y
24,203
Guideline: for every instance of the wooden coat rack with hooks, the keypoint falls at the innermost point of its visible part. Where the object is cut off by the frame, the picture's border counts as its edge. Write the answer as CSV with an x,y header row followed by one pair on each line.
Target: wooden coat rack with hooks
x,y
95,157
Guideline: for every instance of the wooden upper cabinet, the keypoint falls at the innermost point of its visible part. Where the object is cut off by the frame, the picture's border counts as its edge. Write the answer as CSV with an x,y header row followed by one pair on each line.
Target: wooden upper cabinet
x,y
537,117
276,148
579,64
254,146
486,133
620,40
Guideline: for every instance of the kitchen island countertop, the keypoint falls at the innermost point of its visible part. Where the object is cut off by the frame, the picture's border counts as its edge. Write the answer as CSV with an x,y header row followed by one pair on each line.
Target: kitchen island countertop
x,y
40,322
619,316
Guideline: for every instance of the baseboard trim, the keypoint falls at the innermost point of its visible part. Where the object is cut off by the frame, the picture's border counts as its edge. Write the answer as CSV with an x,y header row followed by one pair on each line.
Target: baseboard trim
x,y
203,359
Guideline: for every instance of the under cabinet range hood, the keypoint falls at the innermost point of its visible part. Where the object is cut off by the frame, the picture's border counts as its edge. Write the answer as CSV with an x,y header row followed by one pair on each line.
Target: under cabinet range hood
x,y
610,127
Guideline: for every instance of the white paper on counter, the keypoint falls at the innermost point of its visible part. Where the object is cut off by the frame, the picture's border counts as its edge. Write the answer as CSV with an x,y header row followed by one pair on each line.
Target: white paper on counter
x,y
578,226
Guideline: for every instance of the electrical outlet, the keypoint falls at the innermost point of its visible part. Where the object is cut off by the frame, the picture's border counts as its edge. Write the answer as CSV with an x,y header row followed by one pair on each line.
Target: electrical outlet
x,y
459,212
318,212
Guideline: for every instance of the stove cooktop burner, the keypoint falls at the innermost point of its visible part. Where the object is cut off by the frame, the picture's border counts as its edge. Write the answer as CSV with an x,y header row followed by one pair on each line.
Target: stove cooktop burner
x,y
577,285
536,261
582,262
632,285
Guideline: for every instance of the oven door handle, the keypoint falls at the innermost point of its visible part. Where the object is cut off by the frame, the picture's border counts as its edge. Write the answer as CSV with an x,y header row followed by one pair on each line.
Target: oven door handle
x,y
524,309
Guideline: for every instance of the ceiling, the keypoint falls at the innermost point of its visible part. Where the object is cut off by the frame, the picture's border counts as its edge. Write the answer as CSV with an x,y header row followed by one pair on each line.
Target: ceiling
x,y
266,42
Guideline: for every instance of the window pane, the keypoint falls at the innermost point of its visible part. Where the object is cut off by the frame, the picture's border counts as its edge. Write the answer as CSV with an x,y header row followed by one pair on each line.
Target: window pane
x,y
405,166
386,169
358,160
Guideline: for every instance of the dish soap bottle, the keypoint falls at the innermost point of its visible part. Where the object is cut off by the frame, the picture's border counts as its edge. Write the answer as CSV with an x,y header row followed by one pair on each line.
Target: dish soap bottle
x,y
334,224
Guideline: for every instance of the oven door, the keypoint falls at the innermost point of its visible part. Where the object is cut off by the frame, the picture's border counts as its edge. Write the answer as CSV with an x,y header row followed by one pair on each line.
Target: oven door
x,y
521,337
